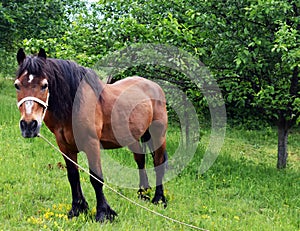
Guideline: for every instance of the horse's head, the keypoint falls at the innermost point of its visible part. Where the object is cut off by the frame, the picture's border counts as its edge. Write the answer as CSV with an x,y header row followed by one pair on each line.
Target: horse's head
x,y
32,92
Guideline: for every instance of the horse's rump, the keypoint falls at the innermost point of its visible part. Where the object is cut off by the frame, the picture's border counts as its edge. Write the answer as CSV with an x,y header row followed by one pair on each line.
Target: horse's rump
x,y
129,107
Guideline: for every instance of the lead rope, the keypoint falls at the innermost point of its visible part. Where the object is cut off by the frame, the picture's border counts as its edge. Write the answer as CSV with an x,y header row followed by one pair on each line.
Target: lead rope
x,y
118,193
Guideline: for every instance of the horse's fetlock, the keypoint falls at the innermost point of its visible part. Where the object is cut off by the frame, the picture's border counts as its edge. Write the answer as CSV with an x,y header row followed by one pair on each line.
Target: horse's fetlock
x,y
105,213
78,207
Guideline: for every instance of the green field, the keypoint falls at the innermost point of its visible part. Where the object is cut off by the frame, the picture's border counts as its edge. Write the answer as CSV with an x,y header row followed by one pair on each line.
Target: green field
x,y
243,190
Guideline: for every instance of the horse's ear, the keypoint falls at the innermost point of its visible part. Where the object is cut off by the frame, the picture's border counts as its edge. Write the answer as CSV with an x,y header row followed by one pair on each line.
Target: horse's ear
x,y
21,56
42,53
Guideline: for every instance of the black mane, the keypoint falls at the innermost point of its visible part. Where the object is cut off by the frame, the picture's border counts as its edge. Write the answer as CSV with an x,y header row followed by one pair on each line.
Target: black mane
x,y
64,77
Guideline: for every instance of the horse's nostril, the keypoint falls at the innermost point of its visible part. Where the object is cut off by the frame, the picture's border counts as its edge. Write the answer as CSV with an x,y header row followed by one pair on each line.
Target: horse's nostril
x,y
23,125
33,125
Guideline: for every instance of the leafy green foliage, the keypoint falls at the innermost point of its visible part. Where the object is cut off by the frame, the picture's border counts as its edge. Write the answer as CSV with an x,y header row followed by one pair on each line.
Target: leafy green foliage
x,y
251,48
42,20
37,19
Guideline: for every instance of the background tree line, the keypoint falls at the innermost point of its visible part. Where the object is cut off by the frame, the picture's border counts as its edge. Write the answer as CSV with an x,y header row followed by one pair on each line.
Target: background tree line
x,y
251,47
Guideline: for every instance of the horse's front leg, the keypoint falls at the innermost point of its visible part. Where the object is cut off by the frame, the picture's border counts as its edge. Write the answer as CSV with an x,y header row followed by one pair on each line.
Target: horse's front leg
x,y
79,204
104,211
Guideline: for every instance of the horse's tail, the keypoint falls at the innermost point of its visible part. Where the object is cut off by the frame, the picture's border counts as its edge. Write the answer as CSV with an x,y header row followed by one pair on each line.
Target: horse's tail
x,y
147,141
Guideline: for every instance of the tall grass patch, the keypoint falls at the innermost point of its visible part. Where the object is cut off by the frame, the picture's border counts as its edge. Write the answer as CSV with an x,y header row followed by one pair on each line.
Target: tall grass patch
x,y
243,190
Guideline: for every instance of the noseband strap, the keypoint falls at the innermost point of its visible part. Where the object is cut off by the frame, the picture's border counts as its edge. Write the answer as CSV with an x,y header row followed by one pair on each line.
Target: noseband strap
x,y
37,100
41,102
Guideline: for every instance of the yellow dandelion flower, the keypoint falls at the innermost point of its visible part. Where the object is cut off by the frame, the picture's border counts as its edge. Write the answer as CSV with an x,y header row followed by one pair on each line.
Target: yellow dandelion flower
x,y
205,216
35,220
236,218
94,211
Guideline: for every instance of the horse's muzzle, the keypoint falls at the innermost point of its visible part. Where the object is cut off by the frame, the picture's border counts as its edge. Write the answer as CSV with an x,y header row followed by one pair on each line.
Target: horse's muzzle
x,y
29,129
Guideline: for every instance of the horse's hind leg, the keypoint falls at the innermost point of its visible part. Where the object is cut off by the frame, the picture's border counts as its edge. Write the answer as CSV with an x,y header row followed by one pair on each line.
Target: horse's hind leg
x,y
159,164
139,157
158,138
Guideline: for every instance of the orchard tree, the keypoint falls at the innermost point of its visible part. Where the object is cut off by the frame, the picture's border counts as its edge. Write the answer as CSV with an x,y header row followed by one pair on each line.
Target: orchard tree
x,y
31,19
34,19
256,56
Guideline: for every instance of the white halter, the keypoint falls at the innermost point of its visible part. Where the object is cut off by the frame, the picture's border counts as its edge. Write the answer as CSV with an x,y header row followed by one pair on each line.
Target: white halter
x,y
37,100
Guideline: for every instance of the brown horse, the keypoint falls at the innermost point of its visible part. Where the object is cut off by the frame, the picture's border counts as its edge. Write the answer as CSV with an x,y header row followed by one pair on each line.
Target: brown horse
x,y
85,114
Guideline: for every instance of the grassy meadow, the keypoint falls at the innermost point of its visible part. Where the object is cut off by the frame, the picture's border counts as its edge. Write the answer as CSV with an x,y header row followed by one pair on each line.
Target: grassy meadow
x,y
243,190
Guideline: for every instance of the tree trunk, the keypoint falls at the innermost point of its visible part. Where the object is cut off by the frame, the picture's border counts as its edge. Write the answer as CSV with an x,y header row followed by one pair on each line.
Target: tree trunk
x,y
283,132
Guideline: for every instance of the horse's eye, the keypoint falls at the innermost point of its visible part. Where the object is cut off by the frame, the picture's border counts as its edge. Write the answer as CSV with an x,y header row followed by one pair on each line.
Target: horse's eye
x,y
44,86
17,87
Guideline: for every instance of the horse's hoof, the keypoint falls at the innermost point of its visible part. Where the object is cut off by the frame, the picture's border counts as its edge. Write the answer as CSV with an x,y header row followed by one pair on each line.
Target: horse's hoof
x,y
77,208
144,194
159,199
105,215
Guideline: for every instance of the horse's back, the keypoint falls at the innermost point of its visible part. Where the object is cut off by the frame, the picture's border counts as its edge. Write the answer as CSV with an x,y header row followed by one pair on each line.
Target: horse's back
x,y
144,86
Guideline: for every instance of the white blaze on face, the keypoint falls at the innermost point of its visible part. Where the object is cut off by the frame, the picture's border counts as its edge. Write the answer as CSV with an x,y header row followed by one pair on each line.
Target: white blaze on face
x,y
30,78
28,107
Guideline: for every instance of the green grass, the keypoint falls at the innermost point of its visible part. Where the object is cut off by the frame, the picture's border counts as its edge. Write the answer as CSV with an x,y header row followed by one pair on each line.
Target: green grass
x,y
243,190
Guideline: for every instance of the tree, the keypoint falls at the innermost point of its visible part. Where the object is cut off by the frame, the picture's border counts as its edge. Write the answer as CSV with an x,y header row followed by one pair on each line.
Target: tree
x,y
31,19
256,57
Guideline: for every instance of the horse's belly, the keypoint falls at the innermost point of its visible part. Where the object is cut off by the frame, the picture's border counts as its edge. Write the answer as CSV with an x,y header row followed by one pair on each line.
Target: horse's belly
x,y
109,145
